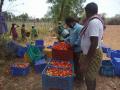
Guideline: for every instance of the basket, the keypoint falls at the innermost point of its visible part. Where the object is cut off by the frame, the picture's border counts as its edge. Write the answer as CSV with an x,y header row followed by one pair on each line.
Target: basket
x,y
48,82
107,68
116,64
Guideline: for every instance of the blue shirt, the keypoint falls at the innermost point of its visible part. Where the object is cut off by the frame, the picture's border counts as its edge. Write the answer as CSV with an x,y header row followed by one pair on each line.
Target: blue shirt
x,y
74,38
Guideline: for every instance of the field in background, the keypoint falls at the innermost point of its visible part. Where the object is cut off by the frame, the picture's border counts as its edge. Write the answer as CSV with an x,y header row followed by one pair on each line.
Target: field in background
x,y
43,28
112,36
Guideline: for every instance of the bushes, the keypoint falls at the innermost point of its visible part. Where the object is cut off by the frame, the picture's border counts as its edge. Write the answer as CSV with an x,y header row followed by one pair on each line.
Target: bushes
x,y
114,20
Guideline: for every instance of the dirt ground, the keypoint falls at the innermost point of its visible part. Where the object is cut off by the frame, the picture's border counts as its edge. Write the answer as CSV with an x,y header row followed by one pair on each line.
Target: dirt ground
x,y
112,36
34,82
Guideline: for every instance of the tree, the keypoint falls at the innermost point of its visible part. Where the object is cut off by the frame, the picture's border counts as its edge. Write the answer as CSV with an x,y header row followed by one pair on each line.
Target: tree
x,y
23,17
1,4
63,8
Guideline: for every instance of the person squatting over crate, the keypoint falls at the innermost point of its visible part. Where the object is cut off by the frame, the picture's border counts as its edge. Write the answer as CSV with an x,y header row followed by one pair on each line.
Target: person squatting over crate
x,y
74,40
91,36
13,32
62,32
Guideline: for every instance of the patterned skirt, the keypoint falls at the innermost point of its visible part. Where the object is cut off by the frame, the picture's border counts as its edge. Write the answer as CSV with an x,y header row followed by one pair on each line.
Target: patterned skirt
x,y
93,66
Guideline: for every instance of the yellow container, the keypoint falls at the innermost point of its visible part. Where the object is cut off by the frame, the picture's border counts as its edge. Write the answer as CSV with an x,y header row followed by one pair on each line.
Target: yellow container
x,y
26,58
48,52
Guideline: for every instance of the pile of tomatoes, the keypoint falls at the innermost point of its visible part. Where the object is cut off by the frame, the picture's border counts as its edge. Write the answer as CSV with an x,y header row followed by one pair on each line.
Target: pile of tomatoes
x,y
52,71
62,46
21,65
63,64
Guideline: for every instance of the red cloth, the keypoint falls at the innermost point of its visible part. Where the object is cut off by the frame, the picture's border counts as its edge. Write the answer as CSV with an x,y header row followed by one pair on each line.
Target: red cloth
x,y
14,33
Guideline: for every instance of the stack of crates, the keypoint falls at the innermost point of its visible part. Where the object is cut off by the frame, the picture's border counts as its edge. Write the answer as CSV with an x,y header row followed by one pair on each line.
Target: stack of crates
x,y
115,57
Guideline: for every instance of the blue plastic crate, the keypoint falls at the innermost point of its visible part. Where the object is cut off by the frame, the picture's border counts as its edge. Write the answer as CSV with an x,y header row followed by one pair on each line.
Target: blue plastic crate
x,y
40,65
116,64
49,47
107,68
115,53
71,62
108,54
39,43
21,51
64,83
105,49
19,71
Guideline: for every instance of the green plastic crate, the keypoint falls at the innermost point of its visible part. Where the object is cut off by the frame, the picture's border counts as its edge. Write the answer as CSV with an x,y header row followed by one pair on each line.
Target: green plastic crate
x,y
34,53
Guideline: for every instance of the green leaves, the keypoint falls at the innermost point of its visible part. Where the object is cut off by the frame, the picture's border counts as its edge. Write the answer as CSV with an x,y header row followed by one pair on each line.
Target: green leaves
x,y
63,8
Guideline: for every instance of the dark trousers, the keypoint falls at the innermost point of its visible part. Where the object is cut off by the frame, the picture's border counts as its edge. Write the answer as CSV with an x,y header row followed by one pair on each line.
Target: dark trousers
x,y
76,62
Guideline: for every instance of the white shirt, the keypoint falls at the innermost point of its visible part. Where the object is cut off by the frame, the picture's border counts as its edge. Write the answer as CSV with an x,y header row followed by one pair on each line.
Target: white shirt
x,y
95,28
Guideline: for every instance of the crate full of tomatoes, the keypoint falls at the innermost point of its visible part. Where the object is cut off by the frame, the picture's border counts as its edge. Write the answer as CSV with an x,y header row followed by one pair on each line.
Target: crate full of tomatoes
x,y
58,78
61,64
20,69
62,51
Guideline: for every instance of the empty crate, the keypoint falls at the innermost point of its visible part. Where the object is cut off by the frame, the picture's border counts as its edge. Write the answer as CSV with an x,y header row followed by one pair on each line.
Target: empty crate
x,y
116,64
107,68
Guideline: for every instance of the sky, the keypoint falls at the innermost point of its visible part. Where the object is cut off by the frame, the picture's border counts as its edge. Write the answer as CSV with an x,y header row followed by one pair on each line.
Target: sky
x,y
38,8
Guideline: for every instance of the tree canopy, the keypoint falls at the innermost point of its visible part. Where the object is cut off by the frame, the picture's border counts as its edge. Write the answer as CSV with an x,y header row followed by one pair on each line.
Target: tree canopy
x,y
63,8
2,2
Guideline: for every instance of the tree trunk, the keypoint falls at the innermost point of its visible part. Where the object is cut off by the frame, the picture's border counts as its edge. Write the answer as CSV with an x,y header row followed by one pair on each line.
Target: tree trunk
x,y
1,4
62,10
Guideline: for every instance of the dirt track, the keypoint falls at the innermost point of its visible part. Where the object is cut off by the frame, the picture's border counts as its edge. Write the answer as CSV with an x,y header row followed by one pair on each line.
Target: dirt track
x,y
112,36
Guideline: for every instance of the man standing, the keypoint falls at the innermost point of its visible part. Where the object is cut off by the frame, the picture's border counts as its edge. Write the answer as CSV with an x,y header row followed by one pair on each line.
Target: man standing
x,y
74,41
91,36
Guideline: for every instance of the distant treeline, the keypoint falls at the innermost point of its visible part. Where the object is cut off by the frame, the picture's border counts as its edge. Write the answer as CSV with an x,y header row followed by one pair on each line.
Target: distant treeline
x,y
25,18
114,20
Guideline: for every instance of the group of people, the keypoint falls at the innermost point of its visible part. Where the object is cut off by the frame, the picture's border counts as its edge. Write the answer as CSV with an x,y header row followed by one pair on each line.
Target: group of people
x,y
86,40
24,33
